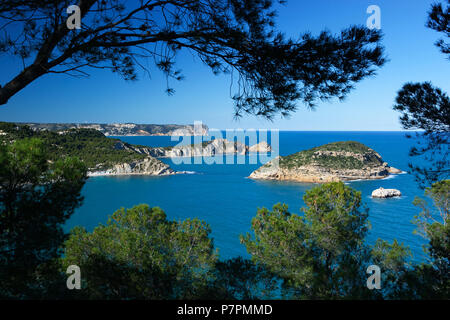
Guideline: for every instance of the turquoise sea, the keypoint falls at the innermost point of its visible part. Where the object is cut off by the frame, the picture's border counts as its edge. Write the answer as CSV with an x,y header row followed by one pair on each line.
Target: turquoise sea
x,y
223,196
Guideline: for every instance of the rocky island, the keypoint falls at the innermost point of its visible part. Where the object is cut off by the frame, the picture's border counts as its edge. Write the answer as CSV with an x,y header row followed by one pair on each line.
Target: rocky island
x,y
337,161
386,193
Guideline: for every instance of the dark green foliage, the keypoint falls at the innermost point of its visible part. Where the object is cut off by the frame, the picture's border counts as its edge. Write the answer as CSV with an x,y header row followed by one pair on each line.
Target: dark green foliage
x,y
336,161
36,199
430,279
347,146
339,162
242,279
439,20
434,225
89,145
239,36
321,255
393,260
427,108
139,254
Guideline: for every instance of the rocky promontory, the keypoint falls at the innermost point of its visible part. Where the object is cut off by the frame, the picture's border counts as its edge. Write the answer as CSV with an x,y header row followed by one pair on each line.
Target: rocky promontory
x,y
147,166
262,147
337,161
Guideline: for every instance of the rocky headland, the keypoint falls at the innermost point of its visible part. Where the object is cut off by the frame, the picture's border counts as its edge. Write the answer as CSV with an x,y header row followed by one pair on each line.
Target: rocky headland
x,y
146,166
338,161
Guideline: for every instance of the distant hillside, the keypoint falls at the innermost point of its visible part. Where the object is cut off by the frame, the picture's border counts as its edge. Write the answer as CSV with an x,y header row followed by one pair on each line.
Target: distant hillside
x,y
124,129
337,161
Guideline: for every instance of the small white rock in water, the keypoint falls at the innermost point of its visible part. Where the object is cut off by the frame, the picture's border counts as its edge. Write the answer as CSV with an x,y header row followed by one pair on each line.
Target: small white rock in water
x,y
386,193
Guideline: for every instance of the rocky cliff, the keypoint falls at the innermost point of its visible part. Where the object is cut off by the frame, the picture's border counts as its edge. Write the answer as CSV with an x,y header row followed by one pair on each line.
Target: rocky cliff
x,y
260,147
338,161
147,166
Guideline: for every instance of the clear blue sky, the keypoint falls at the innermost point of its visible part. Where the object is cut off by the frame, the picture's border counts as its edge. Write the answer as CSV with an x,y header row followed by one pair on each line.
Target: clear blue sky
x,y
106,98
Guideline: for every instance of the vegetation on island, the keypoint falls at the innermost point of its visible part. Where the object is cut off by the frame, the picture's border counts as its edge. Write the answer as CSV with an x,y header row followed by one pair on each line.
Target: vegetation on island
x,y
322,156
89,145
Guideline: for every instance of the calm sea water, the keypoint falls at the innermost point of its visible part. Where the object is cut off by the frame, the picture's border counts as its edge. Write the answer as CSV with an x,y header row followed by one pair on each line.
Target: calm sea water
x,y
223,196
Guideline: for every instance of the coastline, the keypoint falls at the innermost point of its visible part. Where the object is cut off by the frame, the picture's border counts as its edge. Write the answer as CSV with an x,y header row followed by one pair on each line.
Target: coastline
x,y
315,181
109,174
104,174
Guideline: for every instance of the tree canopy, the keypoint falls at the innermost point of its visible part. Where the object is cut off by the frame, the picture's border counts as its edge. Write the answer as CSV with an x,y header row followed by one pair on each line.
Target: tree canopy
x,y
139,254
439,20
433,223
271,72
323,254
36,199
426,108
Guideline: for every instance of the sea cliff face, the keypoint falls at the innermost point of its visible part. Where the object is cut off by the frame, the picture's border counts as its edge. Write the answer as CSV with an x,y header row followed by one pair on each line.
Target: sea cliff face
x,y
262,147
339,161
148,166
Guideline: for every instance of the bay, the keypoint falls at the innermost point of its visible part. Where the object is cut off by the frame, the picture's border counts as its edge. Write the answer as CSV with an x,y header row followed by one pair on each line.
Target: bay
x,y
223,196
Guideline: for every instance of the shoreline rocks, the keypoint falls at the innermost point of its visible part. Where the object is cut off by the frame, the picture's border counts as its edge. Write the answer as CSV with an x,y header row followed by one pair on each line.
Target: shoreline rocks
x,y
261,147
393,170
386,193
